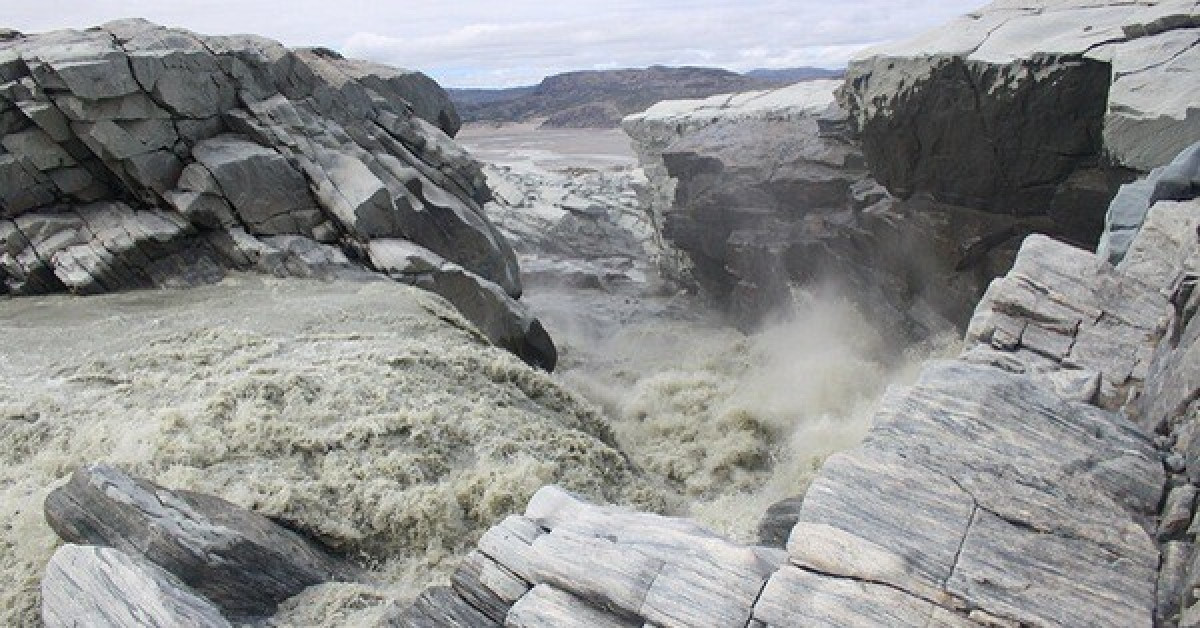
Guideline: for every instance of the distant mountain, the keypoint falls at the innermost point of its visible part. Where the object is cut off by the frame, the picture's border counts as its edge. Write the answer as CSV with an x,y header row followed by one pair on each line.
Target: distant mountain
x,y
600,98
468,97
795,75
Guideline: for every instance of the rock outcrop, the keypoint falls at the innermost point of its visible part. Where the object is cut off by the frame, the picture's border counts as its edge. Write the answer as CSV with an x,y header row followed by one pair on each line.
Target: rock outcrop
x,y
752,194
530,571
1031,108
1015,485
138,156
940,154
238,560
579,228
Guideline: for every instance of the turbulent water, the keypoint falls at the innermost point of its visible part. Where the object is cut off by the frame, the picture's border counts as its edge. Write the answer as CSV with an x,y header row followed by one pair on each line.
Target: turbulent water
x,y
368,415
374,418
728,422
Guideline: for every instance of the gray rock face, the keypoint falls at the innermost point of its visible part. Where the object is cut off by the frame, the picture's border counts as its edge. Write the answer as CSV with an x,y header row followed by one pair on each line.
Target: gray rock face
x,y
1017,107
953,522
240,561
639,568
103,587
777,522
1064,308
757,193
184,144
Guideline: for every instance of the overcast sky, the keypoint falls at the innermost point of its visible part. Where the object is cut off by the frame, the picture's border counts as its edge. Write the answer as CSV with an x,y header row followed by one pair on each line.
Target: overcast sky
x,y
465,43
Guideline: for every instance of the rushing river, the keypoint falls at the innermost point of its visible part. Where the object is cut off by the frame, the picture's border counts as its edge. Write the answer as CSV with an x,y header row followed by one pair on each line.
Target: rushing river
x,y
369,415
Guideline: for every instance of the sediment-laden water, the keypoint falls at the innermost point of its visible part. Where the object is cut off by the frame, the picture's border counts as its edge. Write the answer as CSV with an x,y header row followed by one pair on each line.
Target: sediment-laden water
x,y
370,416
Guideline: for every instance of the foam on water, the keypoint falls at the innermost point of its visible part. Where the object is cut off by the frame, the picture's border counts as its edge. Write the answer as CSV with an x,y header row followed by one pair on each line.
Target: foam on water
x,y
369,416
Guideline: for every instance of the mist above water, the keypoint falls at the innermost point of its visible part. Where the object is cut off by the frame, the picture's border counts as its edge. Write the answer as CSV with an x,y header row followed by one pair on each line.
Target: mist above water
x,y
728,422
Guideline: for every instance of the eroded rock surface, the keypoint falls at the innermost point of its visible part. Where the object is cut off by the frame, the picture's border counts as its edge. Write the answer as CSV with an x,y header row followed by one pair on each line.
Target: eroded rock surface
x,y
104,587
135,156
640,568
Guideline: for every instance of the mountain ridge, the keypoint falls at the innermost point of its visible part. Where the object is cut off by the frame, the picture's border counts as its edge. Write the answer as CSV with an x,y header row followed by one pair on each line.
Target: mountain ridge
x,y
600,98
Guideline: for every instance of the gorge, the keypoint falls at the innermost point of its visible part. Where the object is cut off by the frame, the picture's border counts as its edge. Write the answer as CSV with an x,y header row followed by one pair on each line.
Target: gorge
x,y
853,329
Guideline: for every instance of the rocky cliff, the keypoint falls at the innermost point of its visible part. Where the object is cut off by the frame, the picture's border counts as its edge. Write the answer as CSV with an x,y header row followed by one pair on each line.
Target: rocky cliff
x,y
137,156
914,188
752,194
1031,108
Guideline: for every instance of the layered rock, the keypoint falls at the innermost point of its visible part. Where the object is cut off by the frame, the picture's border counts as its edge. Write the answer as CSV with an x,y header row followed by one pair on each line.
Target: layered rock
x,y
1031,108
139,156
754,194
530,571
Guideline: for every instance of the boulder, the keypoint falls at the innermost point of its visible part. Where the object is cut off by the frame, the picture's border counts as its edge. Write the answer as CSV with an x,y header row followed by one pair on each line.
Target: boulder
x,y
242,562
503,320
103,587
776,524
1032,109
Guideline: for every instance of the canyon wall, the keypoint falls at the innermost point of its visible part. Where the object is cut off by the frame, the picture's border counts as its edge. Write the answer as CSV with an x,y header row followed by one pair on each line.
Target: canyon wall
x,y
755,195
1031,108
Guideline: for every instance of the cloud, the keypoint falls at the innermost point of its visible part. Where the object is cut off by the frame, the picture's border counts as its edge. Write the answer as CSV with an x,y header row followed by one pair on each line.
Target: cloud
x,y
477,43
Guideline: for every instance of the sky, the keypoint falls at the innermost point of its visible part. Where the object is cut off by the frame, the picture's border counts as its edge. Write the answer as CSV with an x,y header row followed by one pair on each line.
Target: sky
x,y
504,43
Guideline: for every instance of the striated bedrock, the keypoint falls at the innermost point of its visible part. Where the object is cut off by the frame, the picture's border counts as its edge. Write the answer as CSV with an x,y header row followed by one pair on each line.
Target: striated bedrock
x,y
1031,107
1046,477
752,194
135,156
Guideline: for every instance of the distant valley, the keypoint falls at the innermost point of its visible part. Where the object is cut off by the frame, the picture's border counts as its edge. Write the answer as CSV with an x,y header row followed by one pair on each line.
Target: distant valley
x,y
600,98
